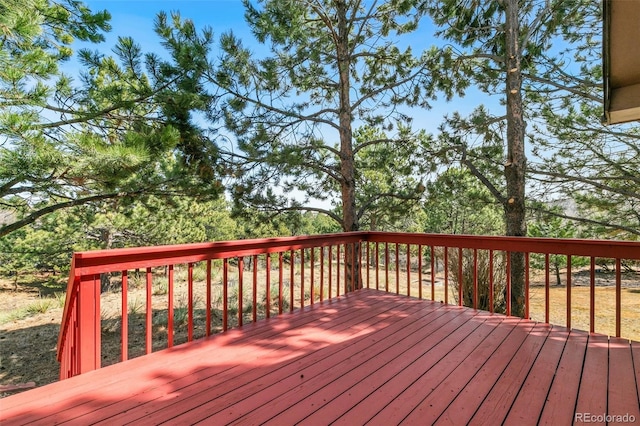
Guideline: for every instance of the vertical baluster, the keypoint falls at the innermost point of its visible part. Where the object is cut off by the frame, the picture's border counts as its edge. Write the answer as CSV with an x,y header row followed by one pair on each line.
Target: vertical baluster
x,y
301,278
190,302
190,306
267,284
280,282
397,269
312,273
170,308
124,330
475,278
618,296
446,275
225,294
377,266
338,270
420,271
433,273
330,266
546,288
355,283
240,289
569,291
408,270
527,284
491,283
460,293
254,310
386,266
592,295
291,277
208,307
508,269
149,314
321,274
346,264
368,262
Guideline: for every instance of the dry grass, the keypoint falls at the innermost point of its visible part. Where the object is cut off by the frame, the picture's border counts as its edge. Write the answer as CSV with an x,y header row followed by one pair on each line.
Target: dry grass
x,y
605,309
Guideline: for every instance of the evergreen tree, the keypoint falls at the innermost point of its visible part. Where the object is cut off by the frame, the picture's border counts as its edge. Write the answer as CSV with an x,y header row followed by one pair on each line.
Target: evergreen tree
x,y
117,132
332,66
502,48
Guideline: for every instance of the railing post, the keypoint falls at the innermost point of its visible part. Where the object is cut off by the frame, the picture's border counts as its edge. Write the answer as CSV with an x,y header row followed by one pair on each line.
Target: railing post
x,y
88,323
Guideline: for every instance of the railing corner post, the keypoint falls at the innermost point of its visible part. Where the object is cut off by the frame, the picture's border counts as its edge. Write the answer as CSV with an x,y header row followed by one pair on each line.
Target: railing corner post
x,y
88,324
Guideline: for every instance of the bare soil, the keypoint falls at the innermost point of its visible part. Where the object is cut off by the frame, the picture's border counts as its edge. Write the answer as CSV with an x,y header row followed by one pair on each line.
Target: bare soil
x,y
28,340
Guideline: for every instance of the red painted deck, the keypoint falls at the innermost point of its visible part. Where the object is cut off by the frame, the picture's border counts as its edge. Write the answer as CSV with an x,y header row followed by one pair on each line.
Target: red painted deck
x,y
368,357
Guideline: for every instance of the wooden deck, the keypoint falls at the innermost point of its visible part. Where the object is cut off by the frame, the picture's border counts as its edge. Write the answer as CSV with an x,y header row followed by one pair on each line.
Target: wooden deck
x,y
369,357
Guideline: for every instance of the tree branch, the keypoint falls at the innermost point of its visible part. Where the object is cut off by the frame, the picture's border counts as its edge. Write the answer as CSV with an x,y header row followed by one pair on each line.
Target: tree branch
x,y
377,197
482,178
595,184
329,213
6,229
634,231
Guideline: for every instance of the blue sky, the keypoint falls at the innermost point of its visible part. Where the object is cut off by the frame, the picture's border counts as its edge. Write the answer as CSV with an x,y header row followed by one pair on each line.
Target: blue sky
x,y
135,18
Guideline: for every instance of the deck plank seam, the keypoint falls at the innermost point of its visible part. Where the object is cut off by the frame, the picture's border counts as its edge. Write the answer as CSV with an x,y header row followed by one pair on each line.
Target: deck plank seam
x,y
430,369
478,369
362,316
506,365
555,374
262,331
529,372
419,308
407,365
394,335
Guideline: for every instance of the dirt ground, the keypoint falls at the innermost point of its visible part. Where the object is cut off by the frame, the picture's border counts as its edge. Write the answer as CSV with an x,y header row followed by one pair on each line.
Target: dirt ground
x,y
27,338
30,317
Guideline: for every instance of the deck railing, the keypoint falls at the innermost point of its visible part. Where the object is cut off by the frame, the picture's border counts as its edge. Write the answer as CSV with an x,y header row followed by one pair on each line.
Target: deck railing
x,y
170,294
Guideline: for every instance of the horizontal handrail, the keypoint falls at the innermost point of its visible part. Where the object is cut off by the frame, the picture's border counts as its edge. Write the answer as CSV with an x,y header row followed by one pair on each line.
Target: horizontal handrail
x,y
103,261
564,246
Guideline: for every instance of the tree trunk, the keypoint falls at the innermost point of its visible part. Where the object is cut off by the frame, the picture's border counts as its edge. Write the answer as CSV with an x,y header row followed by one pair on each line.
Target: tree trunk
x,y
514,205
347,160
556,267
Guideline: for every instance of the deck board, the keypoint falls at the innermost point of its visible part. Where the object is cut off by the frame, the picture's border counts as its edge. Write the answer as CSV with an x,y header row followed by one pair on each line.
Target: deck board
x,y
189,391
365,358
479,383
636,363
385,365
241,389
620,401
302,384
561,401
495,407
592,396
536,387
424,384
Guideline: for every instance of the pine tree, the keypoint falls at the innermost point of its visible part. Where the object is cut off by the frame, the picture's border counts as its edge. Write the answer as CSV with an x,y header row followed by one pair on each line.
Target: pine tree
x,y
121,130
331,67
501,47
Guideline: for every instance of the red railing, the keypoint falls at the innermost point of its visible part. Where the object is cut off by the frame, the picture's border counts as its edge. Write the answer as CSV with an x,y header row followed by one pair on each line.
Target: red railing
x,y
79,342
258,278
